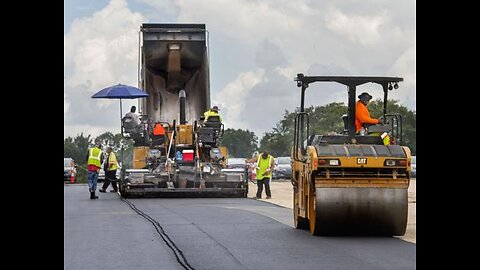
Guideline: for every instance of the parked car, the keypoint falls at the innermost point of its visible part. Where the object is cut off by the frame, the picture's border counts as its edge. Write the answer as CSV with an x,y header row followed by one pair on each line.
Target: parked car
x,y
235,165
413,172
283,168
69,170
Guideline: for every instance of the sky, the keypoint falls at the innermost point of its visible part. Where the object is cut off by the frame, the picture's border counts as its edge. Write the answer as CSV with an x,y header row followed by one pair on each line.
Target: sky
x,y
257,47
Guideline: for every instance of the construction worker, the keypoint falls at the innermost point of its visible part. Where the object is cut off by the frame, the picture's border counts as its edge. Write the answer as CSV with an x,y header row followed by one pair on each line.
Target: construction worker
x,y
94,161
158,134
133,115
212,112
158,129
110,172
264,169
362,115
131,122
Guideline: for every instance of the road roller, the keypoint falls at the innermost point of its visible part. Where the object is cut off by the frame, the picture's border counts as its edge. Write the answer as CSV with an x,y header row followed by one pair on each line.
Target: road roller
x,y
349,182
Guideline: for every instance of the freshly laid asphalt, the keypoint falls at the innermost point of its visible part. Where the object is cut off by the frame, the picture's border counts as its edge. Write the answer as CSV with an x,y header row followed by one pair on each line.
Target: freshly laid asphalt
x,y
237,233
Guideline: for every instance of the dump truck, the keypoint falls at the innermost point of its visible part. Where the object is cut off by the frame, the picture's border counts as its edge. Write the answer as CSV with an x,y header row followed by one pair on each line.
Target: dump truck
x,y
176,153
346,183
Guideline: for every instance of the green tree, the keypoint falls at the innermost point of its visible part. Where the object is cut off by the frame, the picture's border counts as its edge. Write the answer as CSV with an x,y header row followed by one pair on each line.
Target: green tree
x,y
409,118
239,142
323,119
116,141
280,140
327,119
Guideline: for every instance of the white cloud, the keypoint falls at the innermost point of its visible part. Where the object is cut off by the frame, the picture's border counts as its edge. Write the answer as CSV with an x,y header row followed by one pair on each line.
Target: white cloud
x,y
249,21
65,104
166,8
358,29
232,99
257,48
103,49
405,67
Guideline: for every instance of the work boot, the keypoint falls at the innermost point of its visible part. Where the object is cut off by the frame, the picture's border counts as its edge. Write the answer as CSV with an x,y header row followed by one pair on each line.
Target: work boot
x,y
102,190
268,197
92,195
114,190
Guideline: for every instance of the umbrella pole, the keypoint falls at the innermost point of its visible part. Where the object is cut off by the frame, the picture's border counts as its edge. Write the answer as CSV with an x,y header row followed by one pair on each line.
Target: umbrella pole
x,y
121,143
121,127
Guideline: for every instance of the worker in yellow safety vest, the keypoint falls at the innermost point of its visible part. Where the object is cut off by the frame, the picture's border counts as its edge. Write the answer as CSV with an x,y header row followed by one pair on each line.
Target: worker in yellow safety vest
x,y
94,162
264,169
212,112
110,168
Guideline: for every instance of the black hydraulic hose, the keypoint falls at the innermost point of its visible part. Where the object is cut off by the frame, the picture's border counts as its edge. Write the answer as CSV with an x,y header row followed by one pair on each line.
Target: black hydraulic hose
x,y
176,251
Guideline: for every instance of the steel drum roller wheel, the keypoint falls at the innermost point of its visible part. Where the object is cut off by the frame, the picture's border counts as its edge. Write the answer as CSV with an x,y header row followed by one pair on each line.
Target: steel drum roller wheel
x,y
353,211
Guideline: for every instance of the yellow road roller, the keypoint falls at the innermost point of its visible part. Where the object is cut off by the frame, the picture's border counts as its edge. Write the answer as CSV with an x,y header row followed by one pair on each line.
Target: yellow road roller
x,y
350,183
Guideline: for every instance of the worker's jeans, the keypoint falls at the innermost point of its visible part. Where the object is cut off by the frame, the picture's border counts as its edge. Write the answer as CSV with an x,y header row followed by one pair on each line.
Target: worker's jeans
x,y
92,181
265,181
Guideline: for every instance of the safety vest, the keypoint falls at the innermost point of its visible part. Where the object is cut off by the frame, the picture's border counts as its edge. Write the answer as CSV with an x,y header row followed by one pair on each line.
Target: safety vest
x,y
112,162
263,165
385,138
94,156
211,113
158,129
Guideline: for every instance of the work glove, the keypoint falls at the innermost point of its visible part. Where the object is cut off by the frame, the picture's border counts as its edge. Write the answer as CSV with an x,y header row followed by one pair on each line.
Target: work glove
x,y
381,120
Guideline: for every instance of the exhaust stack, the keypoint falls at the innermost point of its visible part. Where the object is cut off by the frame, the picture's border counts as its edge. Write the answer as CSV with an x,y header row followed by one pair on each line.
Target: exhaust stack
x,y
182,97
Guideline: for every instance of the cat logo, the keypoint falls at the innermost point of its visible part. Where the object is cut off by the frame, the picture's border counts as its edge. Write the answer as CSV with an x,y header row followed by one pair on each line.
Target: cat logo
x,y
361,161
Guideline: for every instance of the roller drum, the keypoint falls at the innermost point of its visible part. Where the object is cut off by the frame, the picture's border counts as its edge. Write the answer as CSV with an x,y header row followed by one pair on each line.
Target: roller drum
x,y
371,211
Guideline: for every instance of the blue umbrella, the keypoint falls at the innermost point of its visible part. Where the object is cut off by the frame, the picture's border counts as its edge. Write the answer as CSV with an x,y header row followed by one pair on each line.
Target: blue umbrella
x,y
120,91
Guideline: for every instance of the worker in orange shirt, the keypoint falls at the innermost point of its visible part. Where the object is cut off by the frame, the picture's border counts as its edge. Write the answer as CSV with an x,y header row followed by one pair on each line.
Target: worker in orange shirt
x,y
159,134
362,115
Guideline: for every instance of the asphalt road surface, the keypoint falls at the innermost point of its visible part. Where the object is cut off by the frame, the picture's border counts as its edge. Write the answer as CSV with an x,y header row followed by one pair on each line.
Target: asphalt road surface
x,y
209,234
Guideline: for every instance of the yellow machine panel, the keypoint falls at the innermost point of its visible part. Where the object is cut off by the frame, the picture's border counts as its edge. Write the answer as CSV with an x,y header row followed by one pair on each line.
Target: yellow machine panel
x,y
224,152
140,157
184,135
